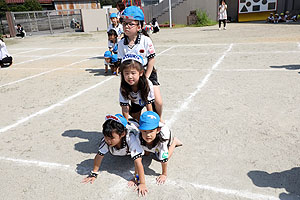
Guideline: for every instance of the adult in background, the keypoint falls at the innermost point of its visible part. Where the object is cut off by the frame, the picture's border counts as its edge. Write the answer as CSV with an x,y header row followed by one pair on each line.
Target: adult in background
x,y
155,25
5,58
222,14
21,32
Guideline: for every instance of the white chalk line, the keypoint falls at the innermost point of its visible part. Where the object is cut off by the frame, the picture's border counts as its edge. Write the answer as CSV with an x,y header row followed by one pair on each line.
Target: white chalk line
x,y
49,56
21,121
32,56
238,193
299,45
43,48
40,74
188,100
26,52
229,192
37,163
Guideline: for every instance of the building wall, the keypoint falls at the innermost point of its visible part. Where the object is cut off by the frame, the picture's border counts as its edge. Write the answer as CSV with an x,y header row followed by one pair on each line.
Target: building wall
x,y
93,19
180,12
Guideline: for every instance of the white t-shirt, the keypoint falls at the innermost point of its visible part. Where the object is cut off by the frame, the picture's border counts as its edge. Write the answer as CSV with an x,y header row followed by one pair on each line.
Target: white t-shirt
x,y
222,12
160,149
118,29
143,47
137,97
113,46
130,145
3,51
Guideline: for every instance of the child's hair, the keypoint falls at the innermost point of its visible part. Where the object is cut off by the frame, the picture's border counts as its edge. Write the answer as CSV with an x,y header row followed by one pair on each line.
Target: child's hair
x,y
1,39
111,126
121,5
112,32
143,86
222,1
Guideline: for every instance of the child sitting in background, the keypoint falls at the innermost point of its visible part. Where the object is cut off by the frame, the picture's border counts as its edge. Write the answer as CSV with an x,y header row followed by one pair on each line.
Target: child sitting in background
x,y
270,19
276,18
156,138
5,58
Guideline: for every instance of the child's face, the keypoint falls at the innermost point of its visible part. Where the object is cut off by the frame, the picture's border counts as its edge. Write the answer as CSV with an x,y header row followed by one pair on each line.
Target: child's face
x,y
130,27
114,140
149,135
132,75
114,20
107,60
111,37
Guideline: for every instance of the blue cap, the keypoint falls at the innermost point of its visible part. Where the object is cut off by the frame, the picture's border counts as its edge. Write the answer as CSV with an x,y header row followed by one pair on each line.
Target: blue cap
x,y
133,12
112,15
134,57
149,120
107,54
114,58
118,118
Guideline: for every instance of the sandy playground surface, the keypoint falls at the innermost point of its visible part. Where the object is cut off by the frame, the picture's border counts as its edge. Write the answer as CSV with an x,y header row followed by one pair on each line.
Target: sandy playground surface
x,y
231,96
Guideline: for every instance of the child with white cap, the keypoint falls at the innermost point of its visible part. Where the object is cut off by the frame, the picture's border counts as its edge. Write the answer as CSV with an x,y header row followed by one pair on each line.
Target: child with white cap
x,y
136,41
119,140
136,91
156,138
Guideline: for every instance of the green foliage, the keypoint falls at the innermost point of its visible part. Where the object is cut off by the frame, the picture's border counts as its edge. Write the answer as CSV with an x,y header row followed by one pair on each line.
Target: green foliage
x,y
109,2
17,8
3,8
32,5
203,19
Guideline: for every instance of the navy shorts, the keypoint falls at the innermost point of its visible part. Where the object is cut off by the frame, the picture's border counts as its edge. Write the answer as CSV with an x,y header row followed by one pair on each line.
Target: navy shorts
x,y
153,77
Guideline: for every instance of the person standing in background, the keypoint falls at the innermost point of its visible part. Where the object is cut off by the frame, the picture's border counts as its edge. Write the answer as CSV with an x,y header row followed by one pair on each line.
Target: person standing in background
x,y
222,14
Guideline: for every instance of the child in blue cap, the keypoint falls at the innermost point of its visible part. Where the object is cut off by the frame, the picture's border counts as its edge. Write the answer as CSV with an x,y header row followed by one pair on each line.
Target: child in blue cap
x,y
120,140
156,138
111,61
115,25
137,41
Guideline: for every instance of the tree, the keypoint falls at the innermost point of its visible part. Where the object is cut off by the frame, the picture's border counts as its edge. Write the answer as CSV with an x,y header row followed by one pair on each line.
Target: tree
x,y
3,8
109,2
32,5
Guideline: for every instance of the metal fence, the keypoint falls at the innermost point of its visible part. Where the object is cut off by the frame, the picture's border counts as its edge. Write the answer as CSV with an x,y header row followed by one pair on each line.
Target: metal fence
x,y
45,22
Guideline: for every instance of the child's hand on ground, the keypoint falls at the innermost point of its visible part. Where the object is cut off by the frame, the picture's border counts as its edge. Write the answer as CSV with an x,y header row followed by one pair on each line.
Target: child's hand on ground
x,y
142,189
89,180
131,183
161,179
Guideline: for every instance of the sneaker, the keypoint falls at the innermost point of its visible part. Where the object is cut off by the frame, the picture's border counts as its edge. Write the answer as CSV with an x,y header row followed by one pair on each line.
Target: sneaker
x,y
219,29
225,28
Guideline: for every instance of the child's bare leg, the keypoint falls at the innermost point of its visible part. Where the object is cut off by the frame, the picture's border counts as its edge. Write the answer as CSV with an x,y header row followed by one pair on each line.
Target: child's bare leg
x,y
158,101
106,68
176,143
117,71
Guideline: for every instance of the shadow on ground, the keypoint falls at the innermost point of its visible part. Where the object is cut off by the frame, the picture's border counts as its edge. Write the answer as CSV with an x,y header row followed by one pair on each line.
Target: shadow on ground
x,y
288,180
98,72
119,165
288,67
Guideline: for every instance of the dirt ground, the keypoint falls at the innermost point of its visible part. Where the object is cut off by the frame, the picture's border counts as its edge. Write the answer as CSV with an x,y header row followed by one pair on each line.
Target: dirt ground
x,y
231,96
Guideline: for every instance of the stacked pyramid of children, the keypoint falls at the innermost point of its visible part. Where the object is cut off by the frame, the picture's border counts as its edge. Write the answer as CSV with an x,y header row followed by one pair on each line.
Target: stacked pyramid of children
x,y
131,133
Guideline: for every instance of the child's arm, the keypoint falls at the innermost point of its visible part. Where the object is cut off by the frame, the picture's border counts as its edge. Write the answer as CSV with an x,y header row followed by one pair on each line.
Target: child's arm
x,y
125,112
149,107
161,179
92,177
142,189
150,66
